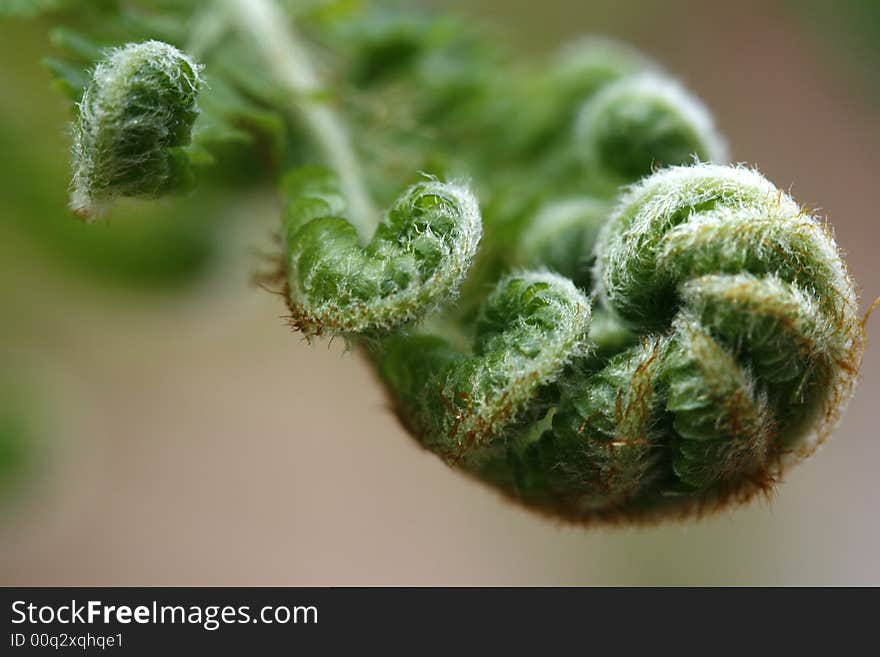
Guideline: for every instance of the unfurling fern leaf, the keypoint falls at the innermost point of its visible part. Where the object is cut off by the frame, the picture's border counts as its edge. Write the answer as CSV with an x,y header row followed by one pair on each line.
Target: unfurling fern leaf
x,y
748,345
643,331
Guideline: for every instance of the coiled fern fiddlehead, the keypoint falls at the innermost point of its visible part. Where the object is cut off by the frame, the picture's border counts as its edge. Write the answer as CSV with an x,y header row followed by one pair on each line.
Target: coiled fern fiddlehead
x,y
748,345
644,122
741,272
414,262
631,355
603,116
410,263
135,119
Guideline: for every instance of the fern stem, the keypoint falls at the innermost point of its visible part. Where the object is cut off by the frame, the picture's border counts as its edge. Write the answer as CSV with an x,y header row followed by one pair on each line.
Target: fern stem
x,y
291,65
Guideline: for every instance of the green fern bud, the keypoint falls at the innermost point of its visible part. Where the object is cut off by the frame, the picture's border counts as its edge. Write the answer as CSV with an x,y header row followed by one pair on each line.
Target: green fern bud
x,y
725,341
461,405
742,348
645,122
601,451
415,261
551,98
135,119
765,339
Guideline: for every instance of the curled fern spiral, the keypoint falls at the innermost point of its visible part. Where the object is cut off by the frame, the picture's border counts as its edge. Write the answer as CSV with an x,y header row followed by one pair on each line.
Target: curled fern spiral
x,y
460,402
645,333
644,122
414,262
135,119
745,277
745,346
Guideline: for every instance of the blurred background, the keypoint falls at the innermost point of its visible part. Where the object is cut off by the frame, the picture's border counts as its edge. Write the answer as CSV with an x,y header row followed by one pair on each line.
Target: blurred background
x,y
160,424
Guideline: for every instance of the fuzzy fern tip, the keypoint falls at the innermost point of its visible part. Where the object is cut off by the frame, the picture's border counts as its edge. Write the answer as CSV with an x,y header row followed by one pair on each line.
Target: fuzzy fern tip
x,y
134,121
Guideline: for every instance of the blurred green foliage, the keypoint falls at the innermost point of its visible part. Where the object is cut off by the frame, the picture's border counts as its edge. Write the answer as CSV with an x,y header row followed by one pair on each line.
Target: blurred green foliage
x,y
18,436
143,246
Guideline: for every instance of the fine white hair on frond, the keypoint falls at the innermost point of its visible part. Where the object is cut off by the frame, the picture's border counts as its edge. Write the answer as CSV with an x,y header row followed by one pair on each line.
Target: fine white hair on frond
x,y
141,101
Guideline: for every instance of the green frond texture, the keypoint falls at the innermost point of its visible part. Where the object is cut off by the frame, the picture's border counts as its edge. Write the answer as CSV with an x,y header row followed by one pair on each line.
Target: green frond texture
x,y
135,119
461,403
595,116
415,261
561,236
548,98
725,348
724,341
645,122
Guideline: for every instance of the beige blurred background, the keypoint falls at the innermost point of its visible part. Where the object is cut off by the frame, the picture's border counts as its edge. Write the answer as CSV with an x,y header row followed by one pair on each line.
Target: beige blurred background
x,y
195,440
